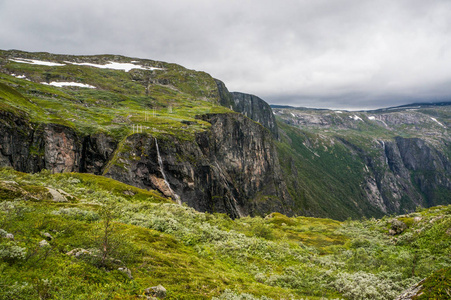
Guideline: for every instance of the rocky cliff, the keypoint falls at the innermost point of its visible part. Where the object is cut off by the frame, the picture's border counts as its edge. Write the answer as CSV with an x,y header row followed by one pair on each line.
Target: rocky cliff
x,y
399,158
249,105
232,167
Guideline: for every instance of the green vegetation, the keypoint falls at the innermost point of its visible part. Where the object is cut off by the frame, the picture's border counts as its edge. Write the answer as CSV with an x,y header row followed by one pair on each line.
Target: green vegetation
x,y
331,175
74,249
162,101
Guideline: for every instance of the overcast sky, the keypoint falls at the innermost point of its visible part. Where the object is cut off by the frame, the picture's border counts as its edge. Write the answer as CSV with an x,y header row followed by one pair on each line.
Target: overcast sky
x,y
343,54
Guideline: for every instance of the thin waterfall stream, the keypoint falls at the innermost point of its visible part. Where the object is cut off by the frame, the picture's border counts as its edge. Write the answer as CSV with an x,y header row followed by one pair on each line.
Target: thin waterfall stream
x,y
160,163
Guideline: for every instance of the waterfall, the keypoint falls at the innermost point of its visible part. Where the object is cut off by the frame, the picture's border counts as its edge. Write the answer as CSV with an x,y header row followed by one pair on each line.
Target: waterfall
x,y
385,151
160,163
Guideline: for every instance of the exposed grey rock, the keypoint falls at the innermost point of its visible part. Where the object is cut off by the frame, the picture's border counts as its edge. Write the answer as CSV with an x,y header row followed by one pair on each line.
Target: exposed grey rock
x,y
62,149
44,243
56,195
156,291
397,227
47,235
411,292
232,168
257,109
78,252
249,105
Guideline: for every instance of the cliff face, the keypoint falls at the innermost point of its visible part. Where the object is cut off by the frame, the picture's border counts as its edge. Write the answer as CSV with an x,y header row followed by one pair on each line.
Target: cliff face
x,y
232,167
399,159
249,105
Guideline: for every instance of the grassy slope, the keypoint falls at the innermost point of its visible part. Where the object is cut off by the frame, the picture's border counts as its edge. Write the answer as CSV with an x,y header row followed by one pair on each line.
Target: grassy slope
x,y
196,255
171,98
331,176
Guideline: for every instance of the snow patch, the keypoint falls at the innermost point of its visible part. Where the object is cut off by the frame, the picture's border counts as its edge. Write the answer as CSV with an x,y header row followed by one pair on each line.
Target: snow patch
x,y
372,118
356,118
19,76
338,112
435,120
115,66
293,115
36,62
62,84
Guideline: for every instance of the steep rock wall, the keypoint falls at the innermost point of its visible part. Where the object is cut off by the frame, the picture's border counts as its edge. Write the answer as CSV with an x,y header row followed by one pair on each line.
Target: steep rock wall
x,y
407,172
231,168
249,105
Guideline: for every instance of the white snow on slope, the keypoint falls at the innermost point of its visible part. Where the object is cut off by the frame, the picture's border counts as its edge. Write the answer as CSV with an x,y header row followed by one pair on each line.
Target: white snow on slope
x,y
338,112
115,66
356,118
37,62
19,76
62,84
372,118
435,120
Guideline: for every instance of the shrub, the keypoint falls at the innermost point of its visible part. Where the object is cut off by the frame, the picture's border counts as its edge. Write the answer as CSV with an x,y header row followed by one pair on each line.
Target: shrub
x,y
230,295
77,214
10,252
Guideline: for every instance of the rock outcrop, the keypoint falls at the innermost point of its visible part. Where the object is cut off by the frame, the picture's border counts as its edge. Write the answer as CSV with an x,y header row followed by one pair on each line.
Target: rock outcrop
x,y
231,168
249,105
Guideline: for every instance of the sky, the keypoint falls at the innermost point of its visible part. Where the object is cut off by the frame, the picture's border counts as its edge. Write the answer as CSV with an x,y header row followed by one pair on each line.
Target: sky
x,y
339,54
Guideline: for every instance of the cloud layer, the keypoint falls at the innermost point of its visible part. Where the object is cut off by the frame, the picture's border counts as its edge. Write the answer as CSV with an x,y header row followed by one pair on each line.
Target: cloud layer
x,y
337,53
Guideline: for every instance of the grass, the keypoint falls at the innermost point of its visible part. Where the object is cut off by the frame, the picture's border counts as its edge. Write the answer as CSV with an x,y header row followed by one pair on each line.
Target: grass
x,y
162,102
199,255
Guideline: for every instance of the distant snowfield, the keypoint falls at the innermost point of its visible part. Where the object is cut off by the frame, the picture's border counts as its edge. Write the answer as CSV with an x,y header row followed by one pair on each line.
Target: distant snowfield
x,y
372,118
435,120
63,84
115,66
111,65
36,62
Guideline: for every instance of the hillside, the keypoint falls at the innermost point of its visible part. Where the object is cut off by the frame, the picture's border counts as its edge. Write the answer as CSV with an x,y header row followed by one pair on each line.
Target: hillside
x,y
150,124
180,132
121,174
82,236
368,162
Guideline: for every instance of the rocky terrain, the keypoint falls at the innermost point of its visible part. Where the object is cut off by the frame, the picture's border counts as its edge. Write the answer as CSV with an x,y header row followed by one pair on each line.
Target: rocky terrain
x,y
403,153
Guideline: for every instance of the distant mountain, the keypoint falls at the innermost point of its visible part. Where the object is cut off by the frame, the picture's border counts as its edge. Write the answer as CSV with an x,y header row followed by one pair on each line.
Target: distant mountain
x,y
370,162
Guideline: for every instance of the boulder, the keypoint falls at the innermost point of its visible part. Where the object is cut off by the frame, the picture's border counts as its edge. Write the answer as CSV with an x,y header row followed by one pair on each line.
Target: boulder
x,y
397,227
156,291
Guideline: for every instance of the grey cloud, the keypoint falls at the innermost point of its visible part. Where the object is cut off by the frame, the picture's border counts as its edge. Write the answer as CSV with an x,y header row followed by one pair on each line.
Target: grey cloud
x,y
335,53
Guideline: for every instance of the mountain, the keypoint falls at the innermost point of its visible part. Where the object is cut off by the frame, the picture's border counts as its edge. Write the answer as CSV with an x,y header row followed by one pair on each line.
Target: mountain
x,y
369,162
150,124
180,132
126,178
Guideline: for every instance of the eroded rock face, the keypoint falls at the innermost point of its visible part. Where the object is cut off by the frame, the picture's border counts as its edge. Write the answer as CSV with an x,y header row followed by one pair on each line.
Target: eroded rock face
x,y
97,150
62,149
407,172
249,105
255,108
231,168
